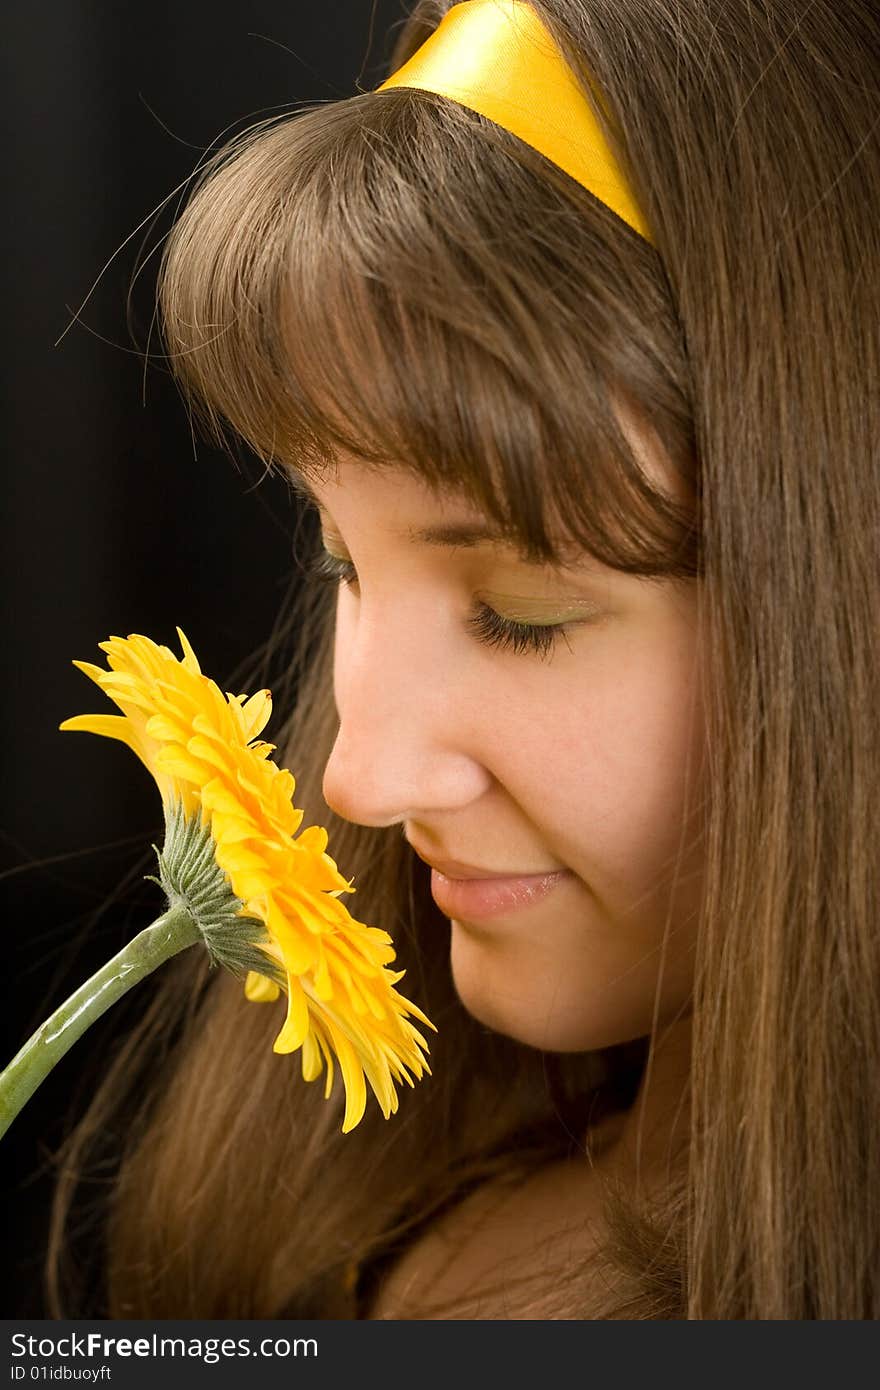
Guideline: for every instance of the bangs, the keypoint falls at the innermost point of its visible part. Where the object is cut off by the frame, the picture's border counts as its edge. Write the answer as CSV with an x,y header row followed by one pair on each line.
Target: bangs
x,y
395,279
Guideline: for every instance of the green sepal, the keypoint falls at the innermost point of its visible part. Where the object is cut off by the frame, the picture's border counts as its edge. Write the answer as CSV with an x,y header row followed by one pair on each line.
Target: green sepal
x,y
191,878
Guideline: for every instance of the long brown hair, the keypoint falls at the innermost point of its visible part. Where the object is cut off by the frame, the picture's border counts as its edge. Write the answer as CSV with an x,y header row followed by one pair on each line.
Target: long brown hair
x,y
393,275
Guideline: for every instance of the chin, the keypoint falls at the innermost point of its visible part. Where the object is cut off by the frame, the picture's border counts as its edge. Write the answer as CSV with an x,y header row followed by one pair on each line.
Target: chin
x,y
521,1009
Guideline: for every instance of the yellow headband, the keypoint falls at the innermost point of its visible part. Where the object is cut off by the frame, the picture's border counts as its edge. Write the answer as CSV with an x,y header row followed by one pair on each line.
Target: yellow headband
x,y
498,58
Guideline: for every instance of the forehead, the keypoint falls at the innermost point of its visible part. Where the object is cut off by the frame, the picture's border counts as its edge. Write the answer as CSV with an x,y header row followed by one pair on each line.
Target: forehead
x,y
448,515
401,490
641,436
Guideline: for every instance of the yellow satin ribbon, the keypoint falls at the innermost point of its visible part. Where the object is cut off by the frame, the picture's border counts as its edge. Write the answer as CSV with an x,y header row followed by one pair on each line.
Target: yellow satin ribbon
x,y
498,58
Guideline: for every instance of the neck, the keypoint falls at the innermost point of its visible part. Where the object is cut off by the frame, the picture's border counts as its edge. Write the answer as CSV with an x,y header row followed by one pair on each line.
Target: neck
x,y
644,1140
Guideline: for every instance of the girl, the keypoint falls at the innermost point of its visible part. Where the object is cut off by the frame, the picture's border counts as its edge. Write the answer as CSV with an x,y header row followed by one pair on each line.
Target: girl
x,y
597,475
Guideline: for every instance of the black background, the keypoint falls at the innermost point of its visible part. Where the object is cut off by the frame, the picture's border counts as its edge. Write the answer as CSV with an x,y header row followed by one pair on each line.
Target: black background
x,y
114,520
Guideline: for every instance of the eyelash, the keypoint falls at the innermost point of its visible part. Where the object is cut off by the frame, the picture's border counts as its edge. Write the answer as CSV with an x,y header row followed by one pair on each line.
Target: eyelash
x,y
489,627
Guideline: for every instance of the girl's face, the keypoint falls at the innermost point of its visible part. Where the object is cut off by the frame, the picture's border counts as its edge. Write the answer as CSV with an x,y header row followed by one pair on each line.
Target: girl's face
x,y
517,762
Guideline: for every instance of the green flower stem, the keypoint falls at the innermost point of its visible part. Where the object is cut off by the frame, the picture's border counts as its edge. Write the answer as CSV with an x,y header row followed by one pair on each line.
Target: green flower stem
x,y
172,932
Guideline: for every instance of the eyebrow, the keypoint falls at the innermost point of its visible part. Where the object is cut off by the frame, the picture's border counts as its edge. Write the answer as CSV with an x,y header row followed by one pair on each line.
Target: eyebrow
x,y
466,533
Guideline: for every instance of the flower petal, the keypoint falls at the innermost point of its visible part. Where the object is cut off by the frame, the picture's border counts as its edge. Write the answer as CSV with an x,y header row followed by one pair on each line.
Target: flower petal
x,y
190,660
256,713
296,1025
110,725
260,989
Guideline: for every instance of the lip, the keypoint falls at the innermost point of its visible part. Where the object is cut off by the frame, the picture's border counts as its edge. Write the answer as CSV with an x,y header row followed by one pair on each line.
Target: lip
x,y
464,890
477,898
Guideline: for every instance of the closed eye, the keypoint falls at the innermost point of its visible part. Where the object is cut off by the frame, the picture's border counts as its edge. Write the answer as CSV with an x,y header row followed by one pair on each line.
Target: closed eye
x,y
490,628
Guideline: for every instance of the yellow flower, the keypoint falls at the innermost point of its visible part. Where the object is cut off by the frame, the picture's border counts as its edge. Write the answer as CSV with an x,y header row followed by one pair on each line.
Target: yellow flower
x,y
213,772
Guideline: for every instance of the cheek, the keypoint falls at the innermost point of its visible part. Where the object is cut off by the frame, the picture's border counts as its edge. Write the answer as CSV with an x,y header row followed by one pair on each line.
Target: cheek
x,y
609,765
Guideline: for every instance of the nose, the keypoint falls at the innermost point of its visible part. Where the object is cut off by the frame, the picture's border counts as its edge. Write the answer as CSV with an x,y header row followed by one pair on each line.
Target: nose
x,y
407,745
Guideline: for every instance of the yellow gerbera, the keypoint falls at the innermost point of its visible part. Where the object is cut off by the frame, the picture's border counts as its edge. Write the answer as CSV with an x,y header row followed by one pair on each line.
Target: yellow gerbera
x,y
216,777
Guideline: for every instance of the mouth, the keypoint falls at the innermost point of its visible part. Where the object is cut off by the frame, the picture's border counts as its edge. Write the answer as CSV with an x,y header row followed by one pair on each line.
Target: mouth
x,y
479,898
